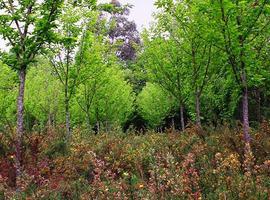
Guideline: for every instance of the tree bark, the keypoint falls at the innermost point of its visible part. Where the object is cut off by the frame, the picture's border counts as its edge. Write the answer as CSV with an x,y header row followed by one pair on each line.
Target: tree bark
x,y
245,114
182,117
173,124
20,125
68,130
198,109
258,102
88,120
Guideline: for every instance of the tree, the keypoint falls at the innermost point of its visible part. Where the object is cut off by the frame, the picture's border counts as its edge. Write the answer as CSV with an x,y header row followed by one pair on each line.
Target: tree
x,y
104,98
242,28
164,66
70,46
102,94
93,65
27,26
43,95
154,104
123,33
191,30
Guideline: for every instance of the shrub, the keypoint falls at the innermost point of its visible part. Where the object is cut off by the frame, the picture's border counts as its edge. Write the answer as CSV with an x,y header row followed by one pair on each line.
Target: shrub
x,y
152,166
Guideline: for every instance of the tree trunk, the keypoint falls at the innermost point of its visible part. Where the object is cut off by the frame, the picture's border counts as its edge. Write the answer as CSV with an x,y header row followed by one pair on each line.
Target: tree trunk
x,y
97,119
173,124
50,121
67,97
88,121
198,109
245,114
258,102
20,125
182,117
107,126
68,130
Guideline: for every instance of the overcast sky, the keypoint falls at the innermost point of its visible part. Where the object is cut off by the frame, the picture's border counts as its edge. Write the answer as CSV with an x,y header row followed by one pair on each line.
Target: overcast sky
x,y
141,13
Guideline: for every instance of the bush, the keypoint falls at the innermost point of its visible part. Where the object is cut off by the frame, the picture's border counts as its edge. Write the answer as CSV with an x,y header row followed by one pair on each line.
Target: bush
x,y
152,166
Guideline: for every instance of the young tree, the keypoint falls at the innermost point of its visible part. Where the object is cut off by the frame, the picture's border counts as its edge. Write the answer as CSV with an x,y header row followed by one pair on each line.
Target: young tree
x,y
63,54
189,28
93,64
43,95
241,26
104,98
154,104
165,67
103,95
70,46
27,26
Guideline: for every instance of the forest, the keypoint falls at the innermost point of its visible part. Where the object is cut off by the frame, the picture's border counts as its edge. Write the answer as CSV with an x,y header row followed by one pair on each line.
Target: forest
x,y
93,108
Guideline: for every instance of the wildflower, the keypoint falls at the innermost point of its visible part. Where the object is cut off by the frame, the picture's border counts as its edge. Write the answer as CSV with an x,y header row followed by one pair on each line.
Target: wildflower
x,y
141,186
249,158
247,174
218,157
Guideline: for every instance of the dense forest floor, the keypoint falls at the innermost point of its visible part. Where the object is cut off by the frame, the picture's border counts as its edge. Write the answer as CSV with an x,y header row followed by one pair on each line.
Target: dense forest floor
x,y
195,164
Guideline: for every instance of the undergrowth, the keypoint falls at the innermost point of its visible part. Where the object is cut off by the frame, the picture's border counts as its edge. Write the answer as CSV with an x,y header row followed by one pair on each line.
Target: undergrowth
x,y
196,164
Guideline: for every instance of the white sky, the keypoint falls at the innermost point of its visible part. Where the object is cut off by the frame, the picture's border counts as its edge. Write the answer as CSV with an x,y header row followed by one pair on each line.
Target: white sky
x,y
141,13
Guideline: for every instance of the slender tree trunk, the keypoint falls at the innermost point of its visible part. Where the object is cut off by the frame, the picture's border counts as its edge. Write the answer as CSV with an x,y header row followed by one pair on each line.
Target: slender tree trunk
x,y
243,77
67,97
173,125
198,109
98,127
97,123
107,126
245,114
49,122
53,120
182,117
20,125
88,121
258,102
68,130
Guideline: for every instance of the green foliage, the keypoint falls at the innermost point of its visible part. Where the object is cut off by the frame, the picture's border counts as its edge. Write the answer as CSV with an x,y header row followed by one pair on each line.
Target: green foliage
x,y
106,96
43,97
8,84
155,104
27,26
213,49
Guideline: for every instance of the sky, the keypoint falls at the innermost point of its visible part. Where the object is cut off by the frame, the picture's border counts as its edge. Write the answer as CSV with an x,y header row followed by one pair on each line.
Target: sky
x,y
141,13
